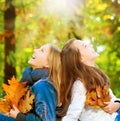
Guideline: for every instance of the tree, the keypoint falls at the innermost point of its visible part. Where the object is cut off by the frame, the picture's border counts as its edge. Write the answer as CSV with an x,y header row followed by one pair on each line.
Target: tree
x,y
9,26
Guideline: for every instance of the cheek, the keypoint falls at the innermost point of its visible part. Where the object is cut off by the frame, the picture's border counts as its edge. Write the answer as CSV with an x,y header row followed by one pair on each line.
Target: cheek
x,y
41,62
86,56
30,61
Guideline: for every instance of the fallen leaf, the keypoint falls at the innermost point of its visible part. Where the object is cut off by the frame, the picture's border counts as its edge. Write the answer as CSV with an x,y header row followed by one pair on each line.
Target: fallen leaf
x,y
97,97
25,104
16,93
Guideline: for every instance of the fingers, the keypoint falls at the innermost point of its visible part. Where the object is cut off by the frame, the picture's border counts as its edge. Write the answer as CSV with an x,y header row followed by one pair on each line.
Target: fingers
x,y
14,107
108,110
106,103
7,114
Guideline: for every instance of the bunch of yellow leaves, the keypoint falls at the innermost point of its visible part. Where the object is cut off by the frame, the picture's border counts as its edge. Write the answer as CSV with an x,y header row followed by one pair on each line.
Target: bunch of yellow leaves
x,y
17,94
98,97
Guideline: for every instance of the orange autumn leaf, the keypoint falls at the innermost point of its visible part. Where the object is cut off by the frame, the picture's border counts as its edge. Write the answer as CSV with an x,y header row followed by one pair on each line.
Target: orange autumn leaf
x,y
98,97
14,90
4,106
106,95
26,103
14,93
99,92
91,99
100,102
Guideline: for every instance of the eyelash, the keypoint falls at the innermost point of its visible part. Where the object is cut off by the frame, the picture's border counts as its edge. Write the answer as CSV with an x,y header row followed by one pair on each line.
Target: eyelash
x,y
42,50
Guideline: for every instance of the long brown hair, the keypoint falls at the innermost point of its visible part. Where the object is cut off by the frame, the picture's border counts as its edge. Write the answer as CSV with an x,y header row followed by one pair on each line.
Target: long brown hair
x,y
73,68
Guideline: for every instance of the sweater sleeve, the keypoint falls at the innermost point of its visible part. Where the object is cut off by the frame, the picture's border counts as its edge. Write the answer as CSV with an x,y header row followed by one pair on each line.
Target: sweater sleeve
x,y
77,102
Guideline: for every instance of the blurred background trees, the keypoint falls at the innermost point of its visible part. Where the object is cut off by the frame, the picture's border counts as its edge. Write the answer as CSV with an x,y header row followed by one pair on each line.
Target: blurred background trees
x,y
27,24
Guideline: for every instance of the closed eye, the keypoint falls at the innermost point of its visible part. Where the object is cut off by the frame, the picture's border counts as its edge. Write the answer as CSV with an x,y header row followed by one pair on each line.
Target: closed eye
x,y
42,49
85,45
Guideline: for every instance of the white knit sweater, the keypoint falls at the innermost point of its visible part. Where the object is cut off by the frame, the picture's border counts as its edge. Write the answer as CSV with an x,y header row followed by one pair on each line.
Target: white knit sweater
x,y
77,109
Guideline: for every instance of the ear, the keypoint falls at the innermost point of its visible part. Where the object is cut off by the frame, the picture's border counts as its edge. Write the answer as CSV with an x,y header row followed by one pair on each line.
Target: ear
x,y
83,60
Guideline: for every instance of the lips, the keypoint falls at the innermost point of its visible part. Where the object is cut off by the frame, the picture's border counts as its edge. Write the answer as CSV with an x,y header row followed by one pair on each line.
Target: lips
x,y
33,57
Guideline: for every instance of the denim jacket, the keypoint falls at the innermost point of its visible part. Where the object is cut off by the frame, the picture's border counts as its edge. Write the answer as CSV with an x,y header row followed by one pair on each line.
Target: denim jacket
x,y
44,104
45,101
31,76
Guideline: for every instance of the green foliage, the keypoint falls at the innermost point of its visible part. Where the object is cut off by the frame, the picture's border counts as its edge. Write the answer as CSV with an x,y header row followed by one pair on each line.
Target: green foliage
x,y
96,20
1,17
117,91
103,29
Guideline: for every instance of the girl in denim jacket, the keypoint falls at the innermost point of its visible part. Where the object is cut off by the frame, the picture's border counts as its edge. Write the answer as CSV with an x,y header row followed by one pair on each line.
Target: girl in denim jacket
x,y
43,79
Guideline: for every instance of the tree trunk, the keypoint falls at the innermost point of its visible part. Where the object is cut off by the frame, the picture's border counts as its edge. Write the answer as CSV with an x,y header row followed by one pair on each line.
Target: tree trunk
x,y
9,26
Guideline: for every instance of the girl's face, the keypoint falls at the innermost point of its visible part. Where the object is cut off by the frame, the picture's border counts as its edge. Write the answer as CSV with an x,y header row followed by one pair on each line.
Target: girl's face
x,y
40,57
88,54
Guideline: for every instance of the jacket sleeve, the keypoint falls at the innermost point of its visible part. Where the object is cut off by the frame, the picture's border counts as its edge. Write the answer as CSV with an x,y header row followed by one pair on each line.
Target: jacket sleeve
x,y
45,102
20,117
77,102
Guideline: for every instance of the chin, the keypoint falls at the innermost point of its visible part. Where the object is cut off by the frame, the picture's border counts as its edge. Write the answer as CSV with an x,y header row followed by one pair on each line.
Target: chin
x,y
97,55
30,62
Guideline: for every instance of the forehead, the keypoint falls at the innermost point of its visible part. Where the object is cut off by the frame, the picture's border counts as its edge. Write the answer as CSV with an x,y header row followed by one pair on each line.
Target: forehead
x,y
78,43
45,47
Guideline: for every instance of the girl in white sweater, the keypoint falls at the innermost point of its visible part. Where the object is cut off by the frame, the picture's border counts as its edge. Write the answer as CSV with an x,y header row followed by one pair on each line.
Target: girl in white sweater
x,y
85,92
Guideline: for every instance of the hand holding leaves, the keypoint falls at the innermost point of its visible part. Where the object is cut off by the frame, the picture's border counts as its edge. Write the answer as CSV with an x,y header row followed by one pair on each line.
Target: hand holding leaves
x,y
17,94
98,97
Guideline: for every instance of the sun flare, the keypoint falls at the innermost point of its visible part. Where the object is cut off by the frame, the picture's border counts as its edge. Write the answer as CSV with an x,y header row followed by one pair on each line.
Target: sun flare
x,y
66,8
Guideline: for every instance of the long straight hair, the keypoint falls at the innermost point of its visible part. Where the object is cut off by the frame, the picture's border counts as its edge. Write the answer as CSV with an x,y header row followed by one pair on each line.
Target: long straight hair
x,y
72,69
54,62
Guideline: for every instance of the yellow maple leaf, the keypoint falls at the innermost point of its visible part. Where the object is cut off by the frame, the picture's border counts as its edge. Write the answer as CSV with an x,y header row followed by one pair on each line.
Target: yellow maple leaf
x,y
25,104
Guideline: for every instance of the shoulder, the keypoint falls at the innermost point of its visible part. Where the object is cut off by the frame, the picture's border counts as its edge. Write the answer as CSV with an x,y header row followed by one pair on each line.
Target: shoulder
x,y
78,84
27,69
78,87
77,101
43,83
